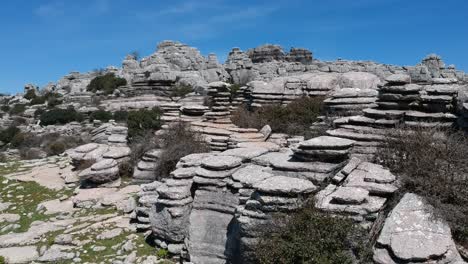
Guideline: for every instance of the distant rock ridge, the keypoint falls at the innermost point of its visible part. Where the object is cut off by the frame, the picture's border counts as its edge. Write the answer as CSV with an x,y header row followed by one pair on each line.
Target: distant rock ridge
x,y
177,63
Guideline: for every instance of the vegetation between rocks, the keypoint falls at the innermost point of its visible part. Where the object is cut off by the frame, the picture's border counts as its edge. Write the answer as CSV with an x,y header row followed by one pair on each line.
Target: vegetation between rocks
x,y
178,141
292,119
60,116
312,237
432,163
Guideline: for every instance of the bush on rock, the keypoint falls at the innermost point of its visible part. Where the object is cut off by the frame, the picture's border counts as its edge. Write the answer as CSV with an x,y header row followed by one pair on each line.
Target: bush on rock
x,y
60,116
178,141
292,119
101,115
106,83
310,236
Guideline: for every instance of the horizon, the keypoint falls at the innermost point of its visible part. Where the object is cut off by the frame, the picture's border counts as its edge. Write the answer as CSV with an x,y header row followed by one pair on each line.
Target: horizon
x,y
46,40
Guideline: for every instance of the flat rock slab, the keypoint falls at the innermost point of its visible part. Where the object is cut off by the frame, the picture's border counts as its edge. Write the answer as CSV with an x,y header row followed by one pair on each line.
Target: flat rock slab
x,y
19,255
245,153
117,152
412,234
221,162
104,164
251,174
350,195
326,142
285,185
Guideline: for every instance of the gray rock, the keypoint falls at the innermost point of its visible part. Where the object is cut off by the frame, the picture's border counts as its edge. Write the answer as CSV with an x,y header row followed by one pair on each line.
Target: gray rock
x,y
19,255
251,174
411,234
398,79
285,185
221,162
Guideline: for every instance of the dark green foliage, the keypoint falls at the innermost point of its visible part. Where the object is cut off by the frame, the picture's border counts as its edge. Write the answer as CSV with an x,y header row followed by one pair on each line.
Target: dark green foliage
x,y
432,163
101,115
30,94
177,142
17,109
60,116
120,116
181,90
56,147
311,237
38,112
5,108
141,121
37,100
7,135
106,83
293,119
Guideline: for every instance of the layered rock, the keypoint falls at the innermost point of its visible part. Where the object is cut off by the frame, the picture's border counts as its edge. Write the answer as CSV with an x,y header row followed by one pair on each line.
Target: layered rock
x,y
360,191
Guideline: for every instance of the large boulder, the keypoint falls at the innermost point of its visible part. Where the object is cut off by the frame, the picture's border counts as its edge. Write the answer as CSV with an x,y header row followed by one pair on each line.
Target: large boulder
x,y
412,234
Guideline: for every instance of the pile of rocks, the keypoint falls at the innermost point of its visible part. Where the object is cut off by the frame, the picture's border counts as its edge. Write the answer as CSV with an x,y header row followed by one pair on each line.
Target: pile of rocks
x,y
360,191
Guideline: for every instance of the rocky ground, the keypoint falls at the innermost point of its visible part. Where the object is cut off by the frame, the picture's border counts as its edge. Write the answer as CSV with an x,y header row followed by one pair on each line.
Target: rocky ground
x,y
40,222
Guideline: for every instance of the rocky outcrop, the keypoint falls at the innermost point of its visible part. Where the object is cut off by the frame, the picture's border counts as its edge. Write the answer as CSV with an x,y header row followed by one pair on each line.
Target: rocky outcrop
x,y
411,234
104,156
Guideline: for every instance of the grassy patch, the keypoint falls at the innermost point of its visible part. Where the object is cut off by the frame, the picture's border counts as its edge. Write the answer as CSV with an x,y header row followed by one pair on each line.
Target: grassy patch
x,y
25,197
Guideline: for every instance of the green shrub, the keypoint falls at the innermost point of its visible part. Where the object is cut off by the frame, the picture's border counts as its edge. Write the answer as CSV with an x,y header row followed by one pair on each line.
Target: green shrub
x,y
293,119
181,90
56,148
177,142
313,237
38,112
432,163
30,94
120,116
17,109
141,121
5,108
37,100
162,253
7,135
2,260
60,116
101,115
106,83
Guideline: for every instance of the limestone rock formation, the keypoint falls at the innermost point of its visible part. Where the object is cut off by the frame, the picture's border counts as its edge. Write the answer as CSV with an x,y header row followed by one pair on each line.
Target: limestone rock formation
x,y
412,234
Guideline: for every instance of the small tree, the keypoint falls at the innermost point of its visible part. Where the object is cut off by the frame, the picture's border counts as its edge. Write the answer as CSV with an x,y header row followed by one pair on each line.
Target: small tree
x,y
100,115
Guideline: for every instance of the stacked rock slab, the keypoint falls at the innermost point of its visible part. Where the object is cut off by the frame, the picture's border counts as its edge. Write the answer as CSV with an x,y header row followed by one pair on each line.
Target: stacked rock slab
x,y
411,234
350,101
147,197
324,148
145,170
221,103
109,151
400,103
170,212
359,191
212,236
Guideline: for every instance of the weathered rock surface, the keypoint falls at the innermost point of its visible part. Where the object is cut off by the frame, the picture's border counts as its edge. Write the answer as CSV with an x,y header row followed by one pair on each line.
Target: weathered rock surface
x,y
411,234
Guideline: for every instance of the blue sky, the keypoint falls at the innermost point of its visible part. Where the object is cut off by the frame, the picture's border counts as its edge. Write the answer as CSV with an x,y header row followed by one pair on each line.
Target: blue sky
x,y
43,40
